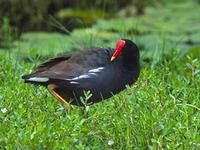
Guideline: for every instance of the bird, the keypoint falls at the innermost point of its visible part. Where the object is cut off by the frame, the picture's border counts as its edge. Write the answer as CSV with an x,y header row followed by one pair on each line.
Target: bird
x,y
103,72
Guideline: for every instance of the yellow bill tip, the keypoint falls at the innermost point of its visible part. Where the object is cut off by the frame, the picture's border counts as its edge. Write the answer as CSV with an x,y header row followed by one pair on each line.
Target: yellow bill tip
x,y
112,58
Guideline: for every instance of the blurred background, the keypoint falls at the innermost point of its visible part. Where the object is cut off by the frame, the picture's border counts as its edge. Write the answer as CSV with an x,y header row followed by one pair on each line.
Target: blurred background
x,y
161,110
19,16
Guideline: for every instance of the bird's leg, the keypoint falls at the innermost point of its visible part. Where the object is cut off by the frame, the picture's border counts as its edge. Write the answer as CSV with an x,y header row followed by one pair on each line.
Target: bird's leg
x,y
51,88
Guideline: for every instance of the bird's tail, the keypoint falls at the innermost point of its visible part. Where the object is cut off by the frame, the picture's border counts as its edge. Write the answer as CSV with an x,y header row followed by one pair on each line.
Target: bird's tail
x,y
35,79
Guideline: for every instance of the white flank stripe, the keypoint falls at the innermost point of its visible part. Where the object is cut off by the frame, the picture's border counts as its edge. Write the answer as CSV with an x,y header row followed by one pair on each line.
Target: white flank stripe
x,y
38,79
93,74
81,77
72,82
96,69
87,75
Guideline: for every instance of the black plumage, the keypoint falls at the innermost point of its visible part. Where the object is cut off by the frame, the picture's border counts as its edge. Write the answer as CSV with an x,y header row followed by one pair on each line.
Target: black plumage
x,y
67,77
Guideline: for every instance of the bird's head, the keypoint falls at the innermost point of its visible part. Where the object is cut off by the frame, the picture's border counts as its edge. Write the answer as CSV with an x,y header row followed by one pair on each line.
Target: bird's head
x,y
125,48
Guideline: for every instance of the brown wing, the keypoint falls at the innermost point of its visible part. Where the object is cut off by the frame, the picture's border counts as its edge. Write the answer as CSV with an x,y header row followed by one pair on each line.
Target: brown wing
x,y
67,67
51,62
77,64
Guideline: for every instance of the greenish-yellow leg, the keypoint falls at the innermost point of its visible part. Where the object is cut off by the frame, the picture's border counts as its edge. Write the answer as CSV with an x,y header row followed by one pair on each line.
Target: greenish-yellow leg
x,y
51,88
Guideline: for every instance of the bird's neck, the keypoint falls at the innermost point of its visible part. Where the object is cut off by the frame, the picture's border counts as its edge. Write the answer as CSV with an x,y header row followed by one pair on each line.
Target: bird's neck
x,y
131,61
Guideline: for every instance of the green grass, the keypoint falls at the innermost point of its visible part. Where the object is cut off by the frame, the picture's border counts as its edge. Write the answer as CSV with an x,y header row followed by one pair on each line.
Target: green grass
x,y
161,111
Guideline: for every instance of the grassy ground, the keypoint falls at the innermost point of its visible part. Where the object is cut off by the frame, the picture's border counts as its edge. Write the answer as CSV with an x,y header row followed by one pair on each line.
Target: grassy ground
x,y
161,111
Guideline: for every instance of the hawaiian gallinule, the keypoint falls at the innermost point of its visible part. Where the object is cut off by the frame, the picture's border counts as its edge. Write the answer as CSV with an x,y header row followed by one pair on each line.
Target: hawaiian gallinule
x,y
102,71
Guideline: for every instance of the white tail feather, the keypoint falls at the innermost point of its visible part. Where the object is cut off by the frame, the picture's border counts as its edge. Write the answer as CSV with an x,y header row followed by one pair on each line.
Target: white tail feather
x,y
38,79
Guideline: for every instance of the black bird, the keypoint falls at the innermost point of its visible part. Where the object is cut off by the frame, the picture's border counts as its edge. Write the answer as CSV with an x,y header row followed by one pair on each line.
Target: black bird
x,y
102,71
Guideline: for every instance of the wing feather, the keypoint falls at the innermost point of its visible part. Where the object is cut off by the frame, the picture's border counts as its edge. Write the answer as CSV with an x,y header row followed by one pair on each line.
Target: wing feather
x,y
51,62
